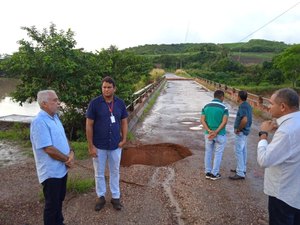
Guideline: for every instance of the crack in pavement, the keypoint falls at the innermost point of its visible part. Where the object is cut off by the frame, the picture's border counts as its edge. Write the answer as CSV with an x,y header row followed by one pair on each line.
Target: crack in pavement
x,y
165,182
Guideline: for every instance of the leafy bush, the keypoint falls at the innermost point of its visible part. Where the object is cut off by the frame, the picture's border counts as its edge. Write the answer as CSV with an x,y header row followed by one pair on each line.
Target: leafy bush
x,y
80,185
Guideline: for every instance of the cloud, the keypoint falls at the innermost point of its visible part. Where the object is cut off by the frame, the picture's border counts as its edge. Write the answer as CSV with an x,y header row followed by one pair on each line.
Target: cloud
x,y
99,24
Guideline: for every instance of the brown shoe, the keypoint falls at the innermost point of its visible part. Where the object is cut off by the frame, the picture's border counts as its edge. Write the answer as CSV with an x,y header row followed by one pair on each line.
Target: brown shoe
x,y
100,202
116,203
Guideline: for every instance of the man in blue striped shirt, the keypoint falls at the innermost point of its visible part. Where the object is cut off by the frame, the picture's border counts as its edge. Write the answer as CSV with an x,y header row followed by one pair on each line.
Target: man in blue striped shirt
x,y
281,158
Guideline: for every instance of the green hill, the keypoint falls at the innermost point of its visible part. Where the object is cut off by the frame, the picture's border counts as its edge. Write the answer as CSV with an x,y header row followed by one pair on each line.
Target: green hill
x,y
248,53
254,45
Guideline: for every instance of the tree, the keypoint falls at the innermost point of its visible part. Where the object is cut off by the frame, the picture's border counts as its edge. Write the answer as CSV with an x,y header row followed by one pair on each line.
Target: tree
x,y
50,61
289,63
271,74
127,69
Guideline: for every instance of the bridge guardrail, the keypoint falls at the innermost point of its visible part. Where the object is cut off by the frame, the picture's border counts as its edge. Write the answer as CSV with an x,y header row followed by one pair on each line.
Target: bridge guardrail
x,y
256,101
140,100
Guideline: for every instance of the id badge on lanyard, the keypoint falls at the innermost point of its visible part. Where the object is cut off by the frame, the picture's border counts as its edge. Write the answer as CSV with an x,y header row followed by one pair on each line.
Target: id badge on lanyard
x,y
112,117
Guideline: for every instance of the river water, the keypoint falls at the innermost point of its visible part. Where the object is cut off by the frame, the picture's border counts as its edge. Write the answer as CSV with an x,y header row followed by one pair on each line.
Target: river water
x,y
10,110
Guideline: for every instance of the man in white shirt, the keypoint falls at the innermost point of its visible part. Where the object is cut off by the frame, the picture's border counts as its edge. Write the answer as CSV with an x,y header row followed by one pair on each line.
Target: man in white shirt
x,y
281,158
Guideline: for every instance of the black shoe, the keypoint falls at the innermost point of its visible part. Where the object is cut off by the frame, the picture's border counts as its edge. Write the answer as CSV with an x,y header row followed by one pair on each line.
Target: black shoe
x,y
208,175
100,202
116,203
215,177
234,171
236,177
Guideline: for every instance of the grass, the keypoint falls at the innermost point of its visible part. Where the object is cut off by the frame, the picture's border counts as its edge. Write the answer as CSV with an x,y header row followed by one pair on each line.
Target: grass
x,y
264,90
259,55
80,185
257,112
75,185
261,114
130,136
150,105
16,132
182,73
81,149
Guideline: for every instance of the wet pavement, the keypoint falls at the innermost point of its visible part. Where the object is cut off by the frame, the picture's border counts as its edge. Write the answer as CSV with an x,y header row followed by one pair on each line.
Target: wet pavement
x,y
175,118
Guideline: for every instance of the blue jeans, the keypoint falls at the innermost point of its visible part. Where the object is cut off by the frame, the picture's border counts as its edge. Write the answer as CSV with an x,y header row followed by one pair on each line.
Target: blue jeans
x,y
214,147
281,213
241,154
54,190
114,159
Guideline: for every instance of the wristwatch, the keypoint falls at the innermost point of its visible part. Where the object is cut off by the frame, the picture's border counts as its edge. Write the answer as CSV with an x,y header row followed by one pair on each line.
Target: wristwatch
x,y
263,132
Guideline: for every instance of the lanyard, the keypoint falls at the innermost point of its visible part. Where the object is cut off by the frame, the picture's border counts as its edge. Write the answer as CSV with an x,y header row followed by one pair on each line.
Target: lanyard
x,y
111,108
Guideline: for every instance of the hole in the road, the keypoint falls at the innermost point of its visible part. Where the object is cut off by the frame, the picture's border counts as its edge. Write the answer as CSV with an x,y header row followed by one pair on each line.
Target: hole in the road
x,y
154,154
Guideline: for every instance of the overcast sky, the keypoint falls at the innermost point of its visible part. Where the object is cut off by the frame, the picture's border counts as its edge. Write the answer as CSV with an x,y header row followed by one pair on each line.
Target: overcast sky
x,y
127,23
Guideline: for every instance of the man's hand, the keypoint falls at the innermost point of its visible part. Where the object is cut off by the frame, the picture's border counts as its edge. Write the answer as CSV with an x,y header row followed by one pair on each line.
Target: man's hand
x,y
70,162
122,143
268,126
237,131
93,151
211,134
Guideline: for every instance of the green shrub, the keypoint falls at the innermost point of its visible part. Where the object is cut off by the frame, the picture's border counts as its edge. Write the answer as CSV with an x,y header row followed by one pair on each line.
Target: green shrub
x,y
130,136
16,132
80,185
80,149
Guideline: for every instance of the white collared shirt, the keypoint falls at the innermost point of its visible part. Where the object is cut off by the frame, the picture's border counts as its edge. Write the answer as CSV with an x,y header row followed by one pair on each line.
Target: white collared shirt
x,y
281,158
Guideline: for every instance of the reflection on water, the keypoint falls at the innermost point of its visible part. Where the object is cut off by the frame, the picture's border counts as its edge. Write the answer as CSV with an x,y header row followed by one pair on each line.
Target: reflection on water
x,y
8,107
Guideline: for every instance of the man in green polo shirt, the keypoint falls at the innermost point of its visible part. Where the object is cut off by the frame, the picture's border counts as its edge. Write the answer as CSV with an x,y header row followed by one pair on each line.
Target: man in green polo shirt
x,y
214,119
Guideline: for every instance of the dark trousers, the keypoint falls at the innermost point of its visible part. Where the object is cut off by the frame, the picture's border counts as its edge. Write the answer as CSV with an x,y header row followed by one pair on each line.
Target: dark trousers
x,y
281,213
54,190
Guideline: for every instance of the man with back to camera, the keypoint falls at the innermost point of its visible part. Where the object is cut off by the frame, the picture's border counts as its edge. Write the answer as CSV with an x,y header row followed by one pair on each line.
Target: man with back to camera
x,y
281,158
53,155
214,118
106,131
242,126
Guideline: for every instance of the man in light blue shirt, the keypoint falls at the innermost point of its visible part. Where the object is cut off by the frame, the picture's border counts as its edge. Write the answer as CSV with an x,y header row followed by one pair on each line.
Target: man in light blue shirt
x,y
52,154
281,158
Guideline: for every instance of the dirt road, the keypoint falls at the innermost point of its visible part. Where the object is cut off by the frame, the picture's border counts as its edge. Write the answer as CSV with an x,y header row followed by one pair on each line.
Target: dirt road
x,y
177,193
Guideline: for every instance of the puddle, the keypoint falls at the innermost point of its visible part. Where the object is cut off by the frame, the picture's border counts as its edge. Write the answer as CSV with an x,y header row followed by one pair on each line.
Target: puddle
x,y
10,154
200,127
187,123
